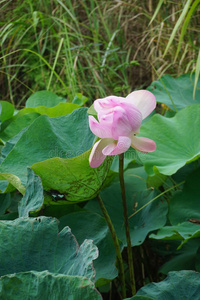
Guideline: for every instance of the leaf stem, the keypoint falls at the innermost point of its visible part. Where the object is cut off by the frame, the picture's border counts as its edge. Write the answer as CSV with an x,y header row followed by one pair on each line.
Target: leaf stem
x,y
116,244
126,223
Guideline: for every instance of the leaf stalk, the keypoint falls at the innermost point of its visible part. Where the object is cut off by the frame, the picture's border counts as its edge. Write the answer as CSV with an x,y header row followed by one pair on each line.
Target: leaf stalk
x,y
116,244
126,223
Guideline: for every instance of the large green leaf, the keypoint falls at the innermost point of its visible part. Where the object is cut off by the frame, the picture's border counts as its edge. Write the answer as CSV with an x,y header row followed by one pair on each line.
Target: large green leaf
x,y
89,225
72,177
10,182
40,246
4,185
79,99
45,285
44,98
27,115
184,231
59,110
67,136
180,90
33,197
178,285
184,205
177,140
6,111
151,217
16,124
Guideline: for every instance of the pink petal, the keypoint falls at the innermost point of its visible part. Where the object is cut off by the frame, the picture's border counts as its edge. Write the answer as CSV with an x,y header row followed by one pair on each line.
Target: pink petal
x,y
96,156
144,100
143,144
122,146
106,119
121,125
108,149
98,129
106,103
133,114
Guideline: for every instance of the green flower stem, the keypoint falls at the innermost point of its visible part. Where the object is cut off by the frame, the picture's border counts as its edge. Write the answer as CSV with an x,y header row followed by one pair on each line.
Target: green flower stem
x,y
128,238
116,244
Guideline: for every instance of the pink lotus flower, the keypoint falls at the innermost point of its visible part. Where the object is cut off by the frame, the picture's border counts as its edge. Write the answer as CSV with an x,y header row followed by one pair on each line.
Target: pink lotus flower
x,y
119,122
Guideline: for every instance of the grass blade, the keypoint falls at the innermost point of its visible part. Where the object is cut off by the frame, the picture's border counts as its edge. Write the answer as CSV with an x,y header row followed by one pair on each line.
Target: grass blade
x,y
197,71
54,64
156,11
178,23
185,25
50,67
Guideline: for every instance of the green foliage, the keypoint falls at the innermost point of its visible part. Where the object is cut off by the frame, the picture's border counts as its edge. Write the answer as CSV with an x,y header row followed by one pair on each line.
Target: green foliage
x,y
182,206
177,141
176,93
150,218
42,247
48,187
14,126
10,182
46,138
72,177
44,98
61,109
46,285
33,197
87,48
138,297
5,201
79,99
178,285
184,231
89,225
6,111
182,258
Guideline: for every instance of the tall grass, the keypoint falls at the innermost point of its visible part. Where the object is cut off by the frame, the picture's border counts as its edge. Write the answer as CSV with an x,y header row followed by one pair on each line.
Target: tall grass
x,y
93,47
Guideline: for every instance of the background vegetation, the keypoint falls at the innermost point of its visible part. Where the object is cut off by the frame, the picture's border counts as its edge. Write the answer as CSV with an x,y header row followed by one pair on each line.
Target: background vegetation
x,y
81,50
94,47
